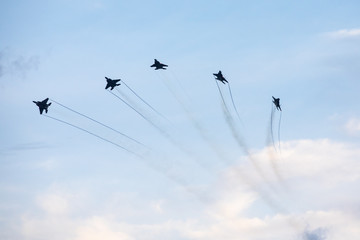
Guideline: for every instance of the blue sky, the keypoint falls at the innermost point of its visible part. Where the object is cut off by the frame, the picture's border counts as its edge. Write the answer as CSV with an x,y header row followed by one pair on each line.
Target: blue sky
x,y
196,181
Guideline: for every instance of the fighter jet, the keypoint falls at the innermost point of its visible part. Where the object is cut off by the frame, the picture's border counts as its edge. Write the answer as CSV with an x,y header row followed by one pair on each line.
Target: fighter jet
x,y
276,101
157,65
112,83
220,77
43,105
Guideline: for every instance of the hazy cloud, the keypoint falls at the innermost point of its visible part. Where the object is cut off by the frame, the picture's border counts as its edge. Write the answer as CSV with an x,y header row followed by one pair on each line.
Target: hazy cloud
x,y
97,228
54,204
344,33
17,65
352,126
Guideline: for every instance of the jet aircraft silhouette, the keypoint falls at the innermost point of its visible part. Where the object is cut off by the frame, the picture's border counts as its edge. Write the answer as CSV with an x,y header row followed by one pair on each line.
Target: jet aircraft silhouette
x,y
276,101
220,77
112,83
157,65
43,105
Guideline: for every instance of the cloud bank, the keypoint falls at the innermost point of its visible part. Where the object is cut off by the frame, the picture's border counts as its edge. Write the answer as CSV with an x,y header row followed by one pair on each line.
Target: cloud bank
x,y
321,178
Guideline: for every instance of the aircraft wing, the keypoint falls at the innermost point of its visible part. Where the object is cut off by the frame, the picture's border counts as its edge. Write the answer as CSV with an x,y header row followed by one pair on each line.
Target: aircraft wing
x,y
45,101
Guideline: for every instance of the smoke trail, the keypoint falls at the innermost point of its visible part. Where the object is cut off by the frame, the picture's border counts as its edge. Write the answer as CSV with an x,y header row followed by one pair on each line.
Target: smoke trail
x,y
179,83
128,100
102,124
93,134
265,194
271,126
163,132
230,122
131,104
194,121
236,136
270,150
159,168
142,115
279,131
171,89
233,103
146,102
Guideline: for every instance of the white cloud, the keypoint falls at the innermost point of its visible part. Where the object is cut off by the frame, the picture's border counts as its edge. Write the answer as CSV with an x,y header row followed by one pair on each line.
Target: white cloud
x,y
158,206
323,178
344,33
232,204
54,204
352,127
322,160
47,164
99,228
50,227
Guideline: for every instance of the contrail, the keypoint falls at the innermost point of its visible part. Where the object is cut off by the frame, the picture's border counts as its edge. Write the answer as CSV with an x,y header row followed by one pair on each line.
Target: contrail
x,y
135,105
230,122
270,149
138,110
146,102
182,182
142,115
193,120
93,134
179,83
236,136
127,99
197,126
271,126
102,124
265,194
163,132
279,131
233,103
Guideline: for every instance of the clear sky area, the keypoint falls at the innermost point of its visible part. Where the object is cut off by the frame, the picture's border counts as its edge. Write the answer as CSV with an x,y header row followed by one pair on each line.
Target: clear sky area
x,y
174,153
